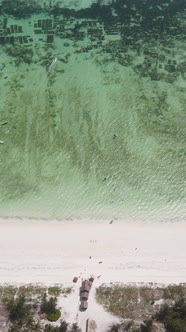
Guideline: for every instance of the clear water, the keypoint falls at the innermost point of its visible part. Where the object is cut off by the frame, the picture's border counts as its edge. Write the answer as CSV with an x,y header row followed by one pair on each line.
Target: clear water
x,y
93,111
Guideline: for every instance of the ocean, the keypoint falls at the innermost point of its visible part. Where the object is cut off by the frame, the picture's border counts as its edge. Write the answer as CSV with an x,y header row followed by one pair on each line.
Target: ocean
x,y
93,111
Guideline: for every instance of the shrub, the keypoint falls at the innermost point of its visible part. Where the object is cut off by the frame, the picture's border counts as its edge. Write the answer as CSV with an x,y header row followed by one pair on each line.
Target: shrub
x,y
49,306
67,290
54,316
55,290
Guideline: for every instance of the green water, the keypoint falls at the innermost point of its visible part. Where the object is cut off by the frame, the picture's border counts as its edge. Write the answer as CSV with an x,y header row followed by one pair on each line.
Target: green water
x,y
103,133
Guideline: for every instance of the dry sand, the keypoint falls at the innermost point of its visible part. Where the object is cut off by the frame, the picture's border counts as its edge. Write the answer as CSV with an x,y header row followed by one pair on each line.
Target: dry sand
x,y
55,251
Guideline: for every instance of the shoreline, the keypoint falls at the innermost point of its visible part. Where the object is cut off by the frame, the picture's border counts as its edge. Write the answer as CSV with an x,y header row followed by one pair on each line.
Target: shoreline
x,y
54,252
98,220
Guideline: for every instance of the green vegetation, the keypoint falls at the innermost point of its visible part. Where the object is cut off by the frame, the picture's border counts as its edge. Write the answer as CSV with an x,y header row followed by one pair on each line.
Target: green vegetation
x,y
49,308
74,328
146,326
121,301
169,319
174,291
132,302
66,291
18,310
24,306
114,328
174,318
54,316
139,303
62,328
55,290
21,315
23,310
7,293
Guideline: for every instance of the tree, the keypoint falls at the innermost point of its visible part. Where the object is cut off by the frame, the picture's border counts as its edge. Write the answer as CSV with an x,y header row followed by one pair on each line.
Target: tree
x,y
19,311
114,328
146,326
49,306
35,327
176,325
74,328
180,308
174,318
50,328
14,328
63,326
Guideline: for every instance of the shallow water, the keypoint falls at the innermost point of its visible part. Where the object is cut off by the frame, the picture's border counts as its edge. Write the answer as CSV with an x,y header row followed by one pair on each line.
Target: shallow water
x,y
102,132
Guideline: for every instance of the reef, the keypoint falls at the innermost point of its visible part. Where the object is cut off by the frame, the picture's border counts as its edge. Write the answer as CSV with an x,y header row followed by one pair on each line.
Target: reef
x,y
140,34
20,53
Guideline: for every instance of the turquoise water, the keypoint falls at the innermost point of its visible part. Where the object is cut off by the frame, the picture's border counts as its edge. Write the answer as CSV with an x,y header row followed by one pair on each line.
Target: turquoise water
x,y
93,112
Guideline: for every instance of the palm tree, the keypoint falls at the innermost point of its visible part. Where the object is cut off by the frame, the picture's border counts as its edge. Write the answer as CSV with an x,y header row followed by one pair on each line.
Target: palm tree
x,y
114,328
75,328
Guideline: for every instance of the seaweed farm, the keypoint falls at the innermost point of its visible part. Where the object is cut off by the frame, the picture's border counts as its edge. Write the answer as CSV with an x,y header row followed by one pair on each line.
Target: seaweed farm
x,y
93,111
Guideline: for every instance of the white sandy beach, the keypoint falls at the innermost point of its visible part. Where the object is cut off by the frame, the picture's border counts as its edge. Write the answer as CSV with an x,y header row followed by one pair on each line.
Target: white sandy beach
x,y
54,252
49,252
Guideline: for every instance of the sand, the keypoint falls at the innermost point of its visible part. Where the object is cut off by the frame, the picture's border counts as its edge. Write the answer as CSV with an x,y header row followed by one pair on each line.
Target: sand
x,y
95,312
56,251
50,252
